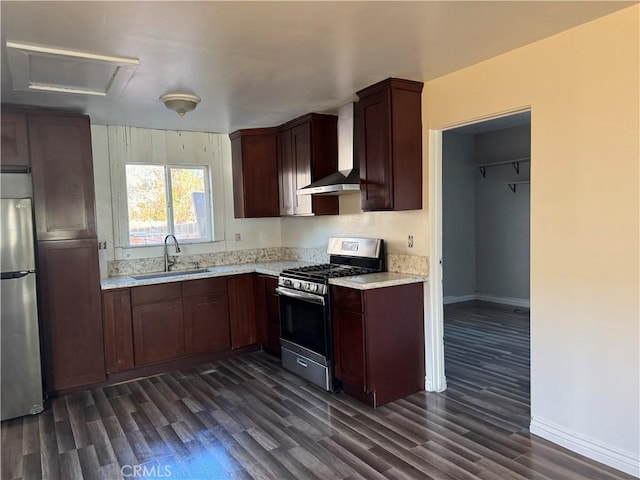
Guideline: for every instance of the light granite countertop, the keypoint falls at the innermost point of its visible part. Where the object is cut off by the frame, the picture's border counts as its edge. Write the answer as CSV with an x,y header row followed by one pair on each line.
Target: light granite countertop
x,y
267,268
377,280
358,282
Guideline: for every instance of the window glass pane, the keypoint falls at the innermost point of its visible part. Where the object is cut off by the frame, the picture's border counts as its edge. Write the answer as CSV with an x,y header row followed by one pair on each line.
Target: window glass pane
x,y
147,204
190,219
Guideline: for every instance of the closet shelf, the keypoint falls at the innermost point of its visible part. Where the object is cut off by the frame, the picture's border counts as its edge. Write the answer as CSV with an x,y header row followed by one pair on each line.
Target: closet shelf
x,y
512,185
515,163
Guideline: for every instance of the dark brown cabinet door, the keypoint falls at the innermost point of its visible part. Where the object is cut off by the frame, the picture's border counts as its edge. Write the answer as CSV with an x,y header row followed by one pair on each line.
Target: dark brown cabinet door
x,y
389,130
307,151
158,332
118,330
374,152
15,143
255,172
206,320
286,173
349,348
62,176
301,148
268,314
242,312
71,315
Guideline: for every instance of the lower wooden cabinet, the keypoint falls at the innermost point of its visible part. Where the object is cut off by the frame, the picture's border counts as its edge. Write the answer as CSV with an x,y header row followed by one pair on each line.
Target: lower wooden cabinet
x,y
159,323
268,314
118,331
70,313
158,332
379,342
206,320
349,342
242,311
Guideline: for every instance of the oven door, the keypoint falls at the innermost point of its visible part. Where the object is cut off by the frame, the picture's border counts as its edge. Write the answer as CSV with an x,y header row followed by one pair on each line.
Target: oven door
x,y
304,321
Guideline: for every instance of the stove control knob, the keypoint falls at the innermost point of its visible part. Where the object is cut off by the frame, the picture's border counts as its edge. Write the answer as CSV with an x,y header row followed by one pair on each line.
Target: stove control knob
x,y
296,284
316,288
287,283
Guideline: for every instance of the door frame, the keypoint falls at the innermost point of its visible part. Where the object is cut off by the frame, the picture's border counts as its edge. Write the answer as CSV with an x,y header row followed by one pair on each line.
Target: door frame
x,y
435,380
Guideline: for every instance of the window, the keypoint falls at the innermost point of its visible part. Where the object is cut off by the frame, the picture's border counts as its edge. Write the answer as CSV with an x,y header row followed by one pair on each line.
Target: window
x,y
165,199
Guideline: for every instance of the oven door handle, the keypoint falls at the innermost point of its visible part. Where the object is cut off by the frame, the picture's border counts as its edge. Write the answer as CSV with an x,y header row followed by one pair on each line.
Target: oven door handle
x,y
307,297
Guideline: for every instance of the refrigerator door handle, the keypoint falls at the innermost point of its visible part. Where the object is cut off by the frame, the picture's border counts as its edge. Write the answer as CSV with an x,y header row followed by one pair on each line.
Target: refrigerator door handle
x,y
12,275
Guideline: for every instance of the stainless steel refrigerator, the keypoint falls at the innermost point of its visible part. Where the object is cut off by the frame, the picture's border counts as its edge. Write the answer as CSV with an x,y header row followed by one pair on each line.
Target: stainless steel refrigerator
x,y
21,371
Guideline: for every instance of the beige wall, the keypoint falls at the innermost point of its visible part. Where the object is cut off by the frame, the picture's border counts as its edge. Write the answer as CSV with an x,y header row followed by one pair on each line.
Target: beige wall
x,y
583,88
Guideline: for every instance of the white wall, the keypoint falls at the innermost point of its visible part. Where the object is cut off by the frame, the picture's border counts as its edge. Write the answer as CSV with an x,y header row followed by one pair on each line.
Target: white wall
x,y
178,147
458,214
393,227
502,216
583,88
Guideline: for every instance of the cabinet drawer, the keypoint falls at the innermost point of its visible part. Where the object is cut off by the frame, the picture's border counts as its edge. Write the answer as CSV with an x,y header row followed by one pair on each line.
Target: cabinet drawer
x,y
347,299
155,293
204,286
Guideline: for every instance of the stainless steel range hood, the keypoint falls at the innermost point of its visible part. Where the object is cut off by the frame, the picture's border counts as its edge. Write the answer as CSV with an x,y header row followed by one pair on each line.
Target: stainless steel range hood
x,y
347,179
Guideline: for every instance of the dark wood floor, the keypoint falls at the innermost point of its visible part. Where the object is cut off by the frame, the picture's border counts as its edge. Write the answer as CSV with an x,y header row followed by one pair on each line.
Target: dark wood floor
x,y
247,418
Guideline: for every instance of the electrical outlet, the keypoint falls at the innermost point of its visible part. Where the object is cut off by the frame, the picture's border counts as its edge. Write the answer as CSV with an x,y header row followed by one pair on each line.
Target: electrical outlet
x,y
238,238
410,241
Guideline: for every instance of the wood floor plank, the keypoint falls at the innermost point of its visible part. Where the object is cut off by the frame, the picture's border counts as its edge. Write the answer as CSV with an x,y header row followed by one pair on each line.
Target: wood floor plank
x,y
247,418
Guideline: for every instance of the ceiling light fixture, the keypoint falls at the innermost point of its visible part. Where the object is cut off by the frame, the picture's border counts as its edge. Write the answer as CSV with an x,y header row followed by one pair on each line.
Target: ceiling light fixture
x,y
180,103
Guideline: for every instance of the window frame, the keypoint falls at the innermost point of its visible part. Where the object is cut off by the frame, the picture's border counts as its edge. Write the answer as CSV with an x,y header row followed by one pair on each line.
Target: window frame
x,y
208,190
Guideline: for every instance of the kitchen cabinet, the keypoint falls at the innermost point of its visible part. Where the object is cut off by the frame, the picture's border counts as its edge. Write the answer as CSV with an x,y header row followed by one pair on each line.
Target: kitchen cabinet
x,y
158,323
268,314
307,151
255,172
389,132
62,172
206,315
70,314
242,311
176,320
14,149
118,330
379,342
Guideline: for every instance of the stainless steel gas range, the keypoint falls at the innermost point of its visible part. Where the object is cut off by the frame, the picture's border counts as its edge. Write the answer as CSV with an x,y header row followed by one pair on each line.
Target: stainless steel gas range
x,y
305,306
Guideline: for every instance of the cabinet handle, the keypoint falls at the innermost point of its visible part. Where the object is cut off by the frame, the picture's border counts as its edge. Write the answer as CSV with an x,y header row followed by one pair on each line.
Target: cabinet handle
x,y
300,362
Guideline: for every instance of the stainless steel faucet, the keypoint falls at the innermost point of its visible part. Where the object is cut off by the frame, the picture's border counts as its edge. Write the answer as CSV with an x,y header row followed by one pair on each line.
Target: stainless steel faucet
x,y
167,262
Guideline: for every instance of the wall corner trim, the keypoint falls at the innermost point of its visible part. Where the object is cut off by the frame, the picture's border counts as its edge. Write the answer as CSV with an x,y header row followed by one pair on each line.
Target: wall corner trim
x,y
610,455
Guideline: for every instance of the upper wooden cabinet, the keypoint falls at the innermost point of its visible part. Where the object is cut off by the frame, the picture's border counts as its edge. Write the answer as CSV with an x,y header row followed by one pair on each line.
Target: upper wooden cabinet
x,y
15,143
255,172
390,145
62,167
307,151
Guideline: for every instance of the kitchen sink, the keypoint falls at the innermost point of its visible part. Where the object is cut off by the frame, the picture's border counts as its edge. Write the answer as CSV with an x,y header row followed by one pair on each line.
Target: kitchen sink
x,y
168,274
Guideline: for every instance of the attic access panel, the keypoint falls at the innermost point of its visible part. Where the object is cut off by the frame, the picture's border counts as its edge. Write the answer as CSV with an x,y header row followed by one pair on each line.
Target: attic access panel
x,y
52,69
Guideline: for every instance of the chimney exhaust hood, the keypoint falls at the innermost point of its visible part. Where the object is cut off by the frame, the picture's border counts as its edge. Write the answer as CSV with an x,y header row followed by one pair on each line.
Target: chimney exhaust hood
x,y
347,179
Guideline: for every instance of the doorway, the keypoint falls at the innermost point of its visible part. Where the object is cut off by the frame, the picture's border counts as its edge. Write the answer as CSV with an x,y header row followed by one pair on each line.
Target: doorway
x,y
480,208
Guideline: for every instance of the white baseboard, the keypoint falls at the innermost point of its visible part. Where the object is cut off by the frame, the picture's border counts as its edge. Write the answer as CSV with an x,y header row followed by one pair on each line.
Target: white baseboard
x,y
439,385
610,455
517,302
454,299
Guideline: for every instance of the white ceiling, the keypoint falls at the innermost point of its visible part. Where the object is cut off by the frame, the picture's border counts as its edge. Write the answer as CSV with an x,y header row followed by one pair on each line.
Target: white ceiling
x,y
261,63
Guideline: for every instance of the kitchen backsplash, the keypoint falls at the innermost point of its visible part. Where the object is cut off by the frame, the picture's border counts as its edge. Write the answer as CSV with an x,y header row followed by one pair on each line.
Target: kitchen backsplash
x,y
412,264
